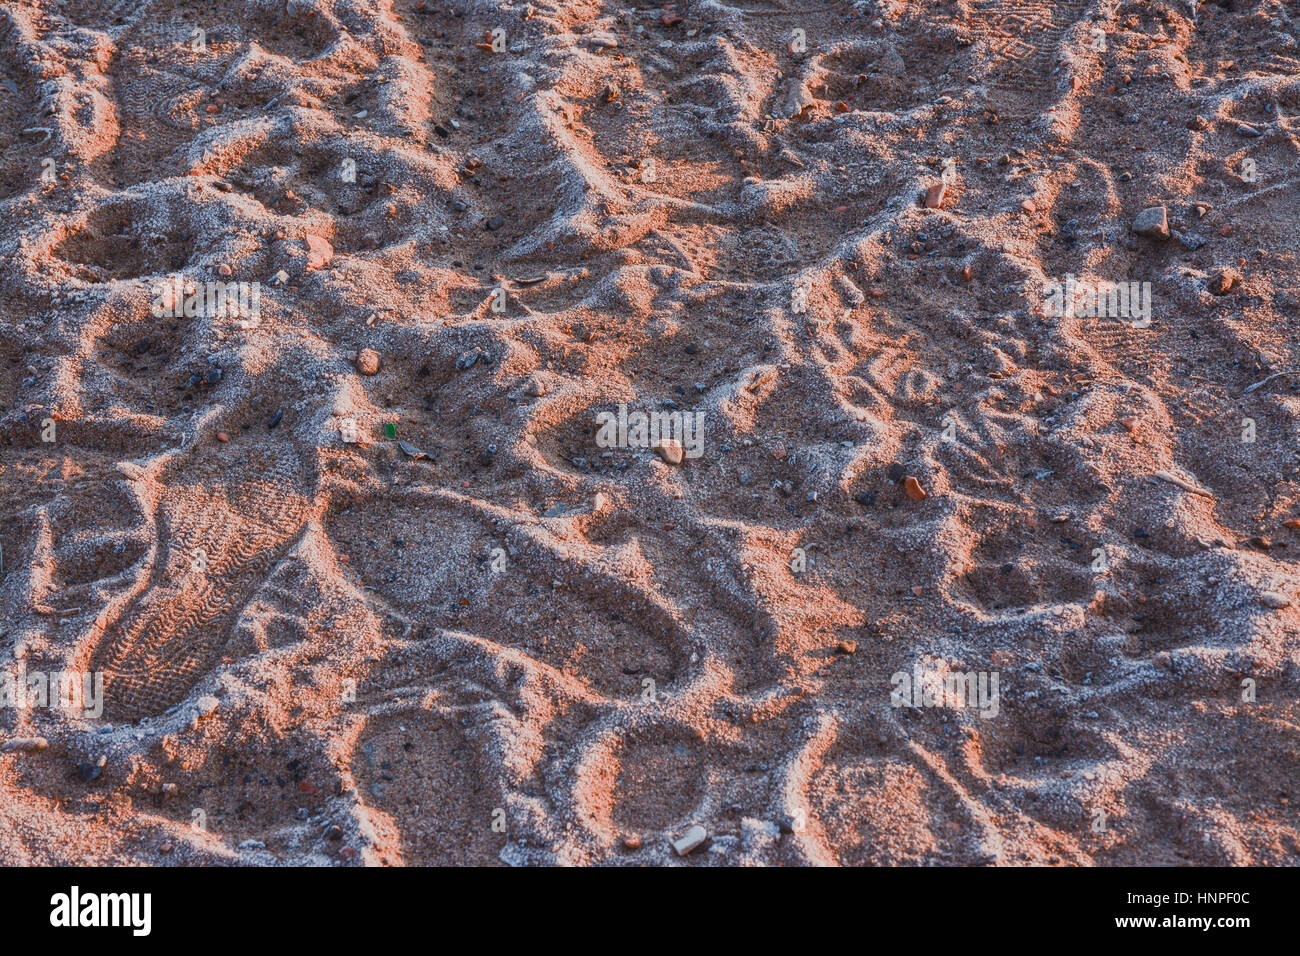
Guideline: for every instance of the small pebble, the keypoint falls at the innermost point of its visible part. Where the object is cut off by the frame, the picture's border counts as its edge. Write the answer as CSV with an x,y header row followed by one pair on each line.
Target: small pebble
x,y
669,450
690,841
1152,222
914,489
23,745
319,252
1224,280
368,362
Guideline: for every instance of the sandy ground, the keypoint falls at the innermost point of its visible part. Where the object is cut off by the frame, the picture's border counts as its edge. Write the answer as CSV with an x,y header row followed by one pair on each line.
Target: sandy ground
x,y
403,606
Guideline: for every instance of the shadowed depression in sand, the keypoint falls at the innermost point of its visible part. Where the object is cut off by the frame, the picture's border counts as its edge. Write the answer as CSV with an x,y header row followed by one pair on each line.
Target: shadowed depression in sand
x,y
982,550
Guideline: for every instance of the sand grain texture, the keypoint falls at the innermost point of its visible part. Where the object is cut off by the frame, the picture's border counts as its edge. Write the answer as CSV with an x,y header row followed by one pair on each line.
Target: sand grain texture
x,y
485,639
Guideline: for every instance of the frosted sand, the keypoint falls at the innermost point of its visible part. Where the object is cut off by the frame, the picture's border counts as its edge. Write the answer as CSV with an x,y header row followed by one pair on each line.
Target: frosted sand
x,y
504,642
